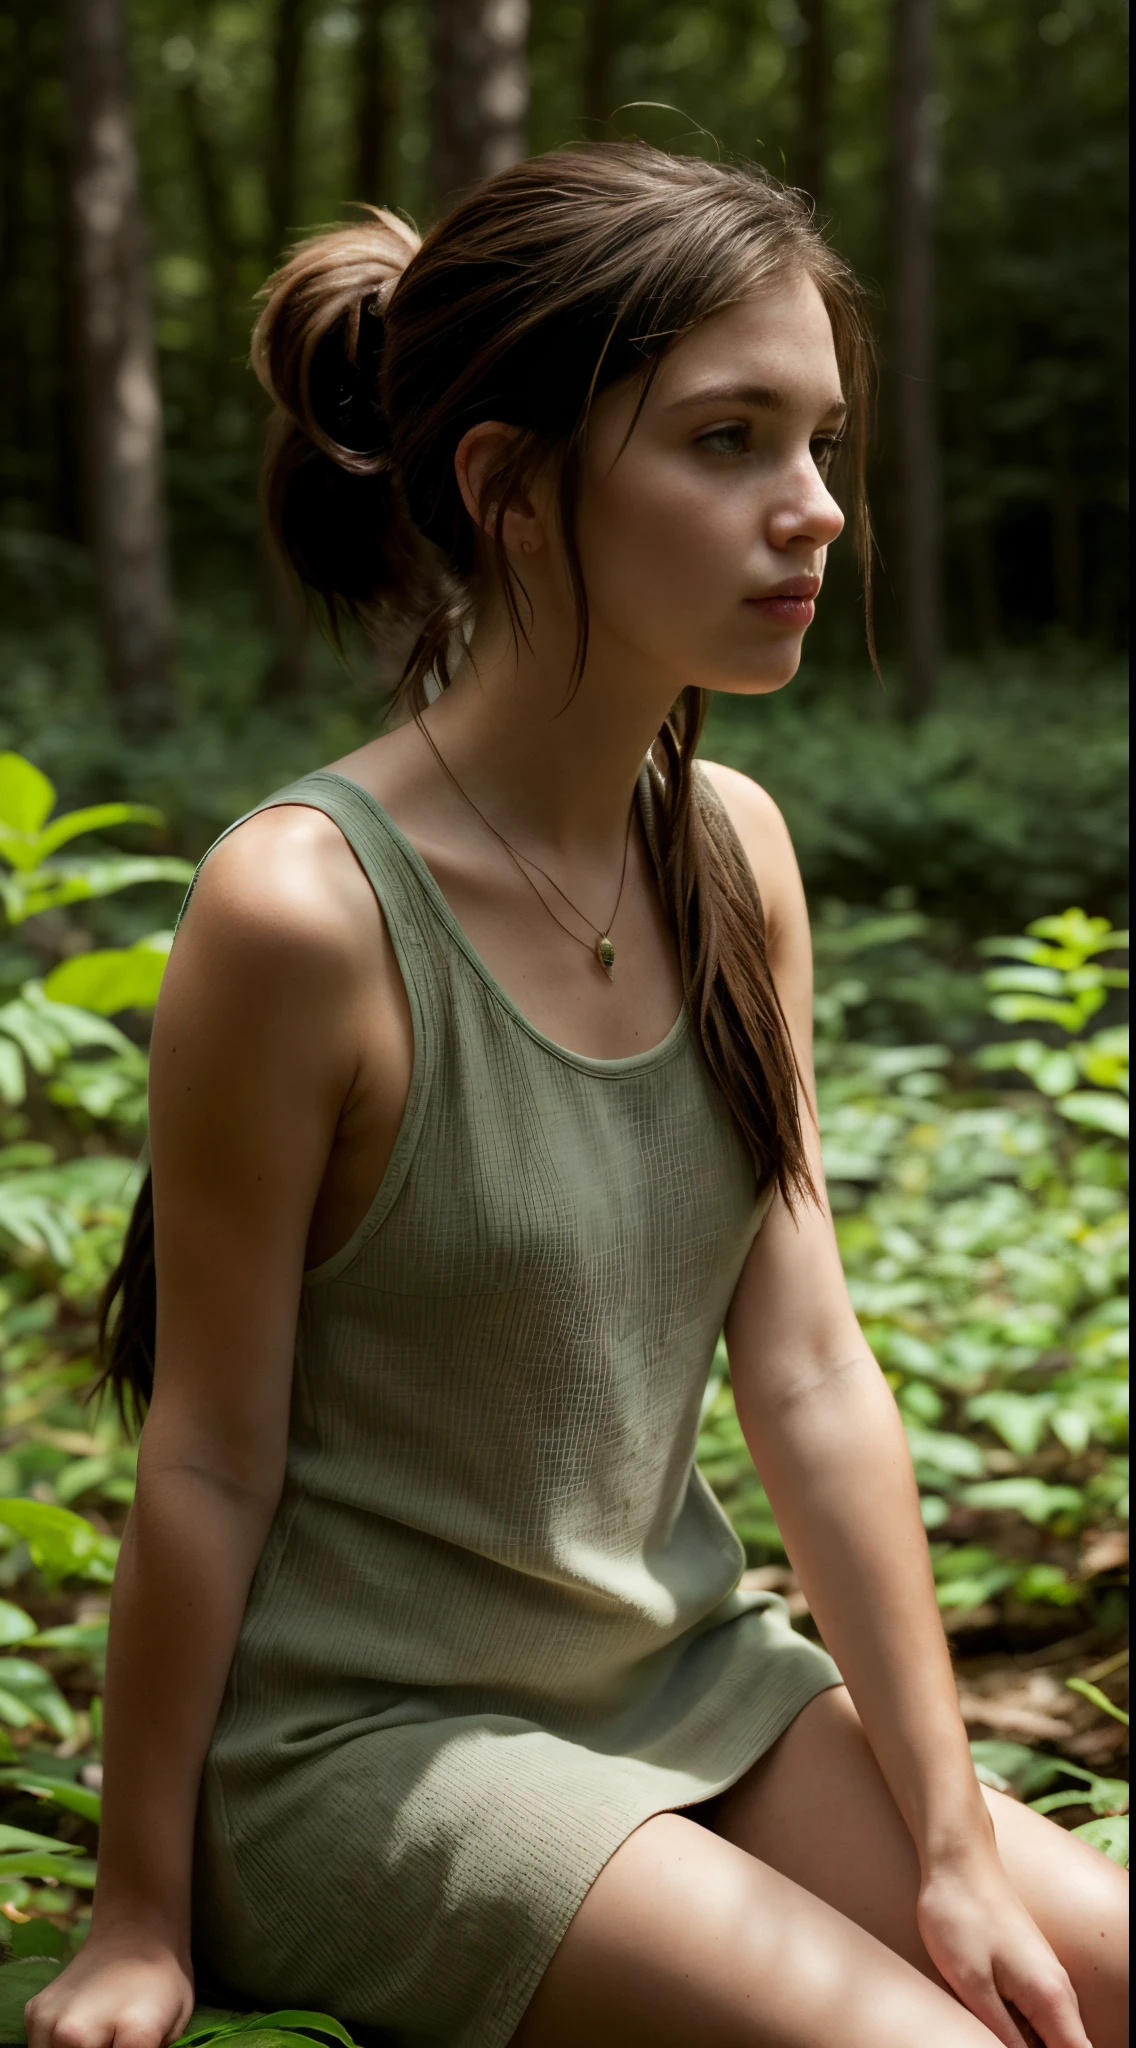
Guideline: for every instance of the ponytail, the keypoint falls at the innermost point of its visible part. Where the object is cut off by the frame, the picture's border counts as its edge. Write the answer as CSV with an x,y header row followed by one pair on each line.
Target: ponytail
x,y
128,1319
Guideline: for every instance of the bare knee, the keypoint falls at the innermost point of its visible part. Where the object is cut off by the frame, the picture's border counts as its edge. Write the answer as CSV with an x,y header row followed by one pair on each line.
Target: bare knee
x,y
1080,1900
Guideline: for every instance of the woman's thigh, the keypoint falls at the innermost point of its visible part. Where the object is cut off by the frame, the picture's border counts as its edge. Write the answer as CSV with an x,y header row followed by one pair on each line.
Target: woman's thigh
x,y
817,1808
686,1939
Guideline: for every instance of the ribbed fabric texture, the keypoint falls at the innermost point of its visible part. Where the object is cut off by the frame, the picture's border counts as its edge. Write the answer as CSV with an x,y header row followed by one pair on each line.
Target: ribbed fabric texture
x,y
495,1625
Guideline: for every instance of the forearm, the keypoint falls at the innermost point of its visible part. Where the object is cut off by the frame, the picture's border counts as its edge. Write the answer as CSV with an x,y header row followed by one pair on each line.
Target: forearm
x,y
187,1559
835,1463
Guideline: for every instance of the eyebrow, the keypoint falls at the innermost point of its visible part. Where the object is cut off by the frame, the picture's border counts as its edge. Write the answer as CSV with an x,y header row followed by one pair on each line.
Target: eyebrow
x,y
760,396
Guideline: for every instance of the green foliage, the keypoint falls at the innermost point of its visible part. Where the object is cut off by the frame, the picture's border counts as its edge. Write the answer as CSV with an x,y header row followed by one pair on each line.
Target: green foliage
x,y
985,1242
983,1230
1011,1767
53,1029
28,845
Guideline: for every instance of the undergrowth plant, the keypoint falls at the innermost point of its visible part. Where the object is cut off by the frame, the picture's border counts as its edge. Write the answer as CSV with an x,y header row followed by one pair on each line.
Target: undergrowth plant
x,y
980,1203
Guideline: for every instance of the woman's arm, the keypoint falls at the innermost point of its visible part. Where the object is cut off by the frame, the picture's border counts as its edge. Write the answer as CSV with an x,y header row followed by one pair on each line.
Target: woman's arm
x,y
254,1058
826,1436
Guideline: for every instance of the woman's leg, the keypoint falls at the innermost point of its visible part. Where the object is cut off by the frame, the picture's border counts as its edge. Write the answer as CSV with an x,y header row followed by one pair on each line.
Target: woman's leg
x,y
685,1939
817,1808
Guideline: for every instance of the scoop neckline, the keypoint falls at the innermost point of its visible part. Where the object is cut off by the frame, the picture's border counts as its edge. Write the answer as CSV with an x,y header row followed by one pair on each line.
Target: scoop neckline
x,y
629,1063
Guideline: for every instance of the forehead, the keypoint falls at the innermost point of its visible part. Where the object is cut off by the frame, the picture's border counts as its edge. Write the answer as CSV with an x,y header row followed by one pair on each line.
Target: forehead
x,y
779,337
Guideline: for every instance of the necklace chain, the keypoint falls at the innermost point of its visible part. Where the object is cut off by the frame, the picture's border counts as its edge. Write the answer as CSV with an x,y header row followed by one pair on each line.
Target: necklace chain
x,y
602,950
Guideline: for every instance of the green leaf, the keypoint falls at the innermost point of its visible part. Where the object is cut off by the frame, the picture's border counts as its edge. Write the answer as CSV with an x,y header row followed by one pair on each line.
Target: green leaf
x,y
93,818
18,1839
51,888
26,795
15,1625
1021,1420
1025,1495
1027,1770
1097,1110
62,1792
19,1982
13,1080
1109,1835
37,1692
89,1638
113,979
1098,1698
62,1545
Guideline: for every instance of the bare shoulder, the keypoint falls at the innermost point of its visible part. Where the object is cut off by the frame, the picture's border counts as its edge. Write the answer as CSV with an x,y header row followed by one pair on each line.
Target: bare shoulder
x,y
283,886
764,835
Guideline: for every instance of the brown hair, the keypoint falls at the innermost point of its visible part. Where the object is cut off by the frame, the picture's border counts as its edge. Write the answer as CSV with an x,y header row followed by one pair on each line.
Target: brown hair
x,y
545,286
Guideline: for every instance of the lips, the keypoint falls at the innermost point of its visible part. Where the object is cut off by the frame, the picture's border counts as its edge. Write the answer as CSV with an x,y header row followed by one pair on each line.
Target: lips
x,y
791,604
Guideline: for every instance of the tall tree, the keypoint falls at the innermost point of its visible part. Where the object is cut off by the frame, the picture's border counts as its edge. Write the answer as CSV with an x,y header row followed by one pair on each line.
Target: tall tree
x,y
480,100
914,190
812,134
283,150
600,43
376,105
121,402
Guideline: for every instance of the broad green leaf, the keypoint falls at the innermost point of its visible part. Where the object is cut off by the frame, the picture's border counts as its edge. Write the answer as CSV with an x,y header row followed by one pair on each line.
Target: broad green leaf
x,y
1078,933
1097,1111
19,1982
1110,1836
1027,1009
13,1079
311,2022
15,1625
955,1455
13,1840
79,881
1027,1770
63,1792
26,796
1021,1420
62,1544
93,818
1040,981
37,1691
115,979
88,1638
1047,1583
1025,1495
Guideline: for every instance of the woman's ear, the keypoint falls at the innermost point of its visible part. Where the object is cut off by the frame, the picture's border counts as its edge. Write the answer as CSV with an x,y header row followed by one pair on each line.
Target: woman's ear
x,y
481,455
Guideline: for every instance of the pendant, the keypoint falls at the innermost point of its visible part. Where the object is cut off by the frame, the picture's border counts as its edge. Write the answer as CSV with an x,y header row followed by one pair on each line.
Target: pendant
x,y
605,954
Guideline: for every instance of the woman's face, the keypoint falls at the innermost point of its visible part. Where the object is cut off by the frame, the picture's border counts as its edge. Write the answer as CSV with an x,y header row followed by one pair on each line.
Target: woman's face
x,y
703,542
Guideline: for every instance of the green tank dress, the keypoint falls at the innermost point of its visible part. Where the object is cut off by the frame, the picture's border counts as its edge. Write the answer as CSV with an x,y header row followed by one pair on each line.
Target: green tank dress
x,y
496,1624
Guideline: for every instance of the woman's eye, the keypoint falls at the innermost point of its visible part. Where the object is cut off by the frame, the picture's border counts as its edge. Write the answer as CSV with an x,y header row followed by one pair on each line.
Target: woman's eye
x,y
724,440
823,448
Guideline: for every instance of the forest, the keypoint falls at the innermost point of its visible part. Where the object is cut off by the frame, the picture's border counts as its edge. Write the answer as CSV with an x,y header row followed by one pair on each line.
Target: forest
x,y
960,817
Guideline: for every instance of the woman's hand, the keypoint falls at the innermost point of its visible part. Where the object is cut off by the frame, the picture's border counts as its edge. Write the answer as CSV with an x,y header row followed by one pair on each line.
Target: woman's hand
x,y
982,1941
121,1991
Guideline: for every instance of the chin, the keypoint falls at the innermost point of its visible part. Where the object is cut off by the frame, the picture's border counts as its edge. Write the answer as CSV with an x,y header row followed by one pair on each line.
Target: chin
x,y
775,677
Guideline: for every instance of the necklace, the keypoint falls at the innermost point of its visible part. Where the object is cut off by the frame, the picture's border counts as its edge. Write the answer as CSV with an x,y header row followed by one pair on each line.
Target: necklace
x,y
603,949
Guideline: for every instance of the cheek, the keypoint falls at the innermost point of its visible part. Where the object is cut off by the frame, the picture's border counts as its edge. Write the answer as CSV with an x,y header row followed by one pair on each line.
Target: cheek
x,y
663,543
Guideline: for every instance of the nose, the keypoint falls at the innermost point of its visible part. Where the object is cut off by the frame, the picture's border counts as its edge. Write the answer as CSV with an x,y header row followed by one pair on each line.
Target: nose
x,y
805,514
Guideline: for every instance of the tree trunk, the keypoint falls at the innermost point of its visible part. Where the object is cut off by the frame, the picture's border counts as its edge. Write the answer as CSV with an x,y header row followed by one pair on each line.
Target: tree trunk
x,y
376,105
284,125
122,412
1066,533
217,226
480,101
599,55
914,177
812,137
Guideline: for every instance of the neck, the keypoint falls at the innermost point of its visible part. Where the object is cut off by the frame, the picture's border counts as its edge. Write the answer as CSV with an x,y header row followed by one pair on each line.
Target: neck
x,y
556,769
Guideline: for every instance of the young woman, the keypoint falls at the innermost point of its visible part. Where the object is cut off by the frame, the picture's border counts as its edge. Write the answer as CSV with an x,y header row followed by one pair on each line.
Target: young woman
x,y
481,1101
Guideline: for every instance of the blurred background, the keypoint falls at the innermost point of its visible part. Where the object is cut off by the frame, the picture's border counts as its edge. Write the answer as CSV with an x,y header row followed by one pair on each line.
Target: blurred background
x,y
960,822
